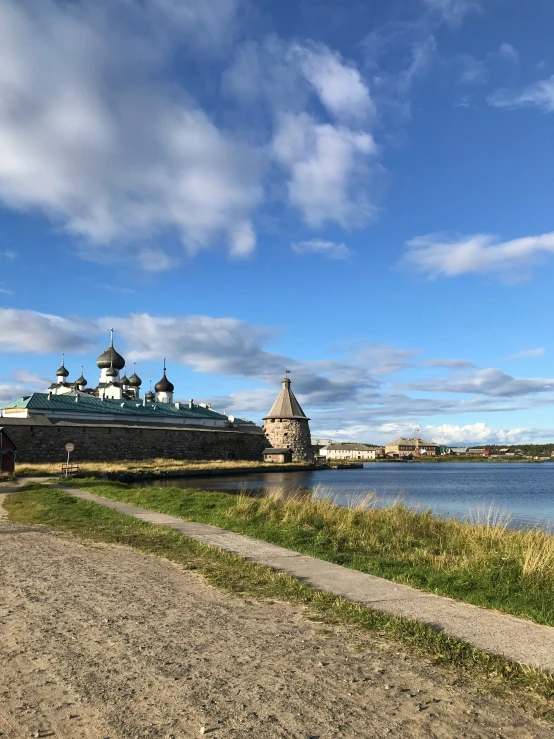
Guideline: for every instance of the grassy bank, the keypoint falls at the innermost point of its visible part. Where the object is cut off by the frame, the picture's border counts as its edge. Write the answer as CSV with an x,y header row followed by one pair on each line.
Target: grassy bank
x,y
47,506
483,562
135,466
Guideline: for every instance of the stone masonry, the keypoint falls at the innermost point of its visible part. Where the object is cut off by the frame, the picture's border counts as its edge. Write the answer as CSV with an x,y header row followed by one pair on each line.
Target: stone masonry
x,y
287,426
106,443
292,434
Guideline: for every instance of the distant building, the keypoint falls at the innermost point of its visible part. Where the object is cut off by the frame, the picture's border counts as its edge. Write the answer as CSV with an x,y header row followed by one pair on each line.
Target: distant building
x,y
478,451
278,456
350,451
405,447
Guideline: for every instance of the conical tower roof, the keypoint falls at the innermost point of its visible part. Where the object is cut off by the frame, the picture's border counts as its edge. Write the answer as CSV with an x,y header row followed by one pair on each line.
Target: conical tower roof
x,y
286,405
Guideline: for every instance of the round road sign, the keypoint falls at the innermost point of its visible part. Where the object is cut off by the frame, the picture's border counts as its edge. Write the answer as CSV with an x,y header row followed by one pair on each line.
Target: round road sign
x,y
69,447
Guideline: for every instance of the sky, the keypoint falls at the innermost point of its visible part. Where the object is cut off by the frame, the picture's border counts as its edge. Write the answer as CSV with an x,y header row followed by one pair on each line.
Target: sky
x,y
358,192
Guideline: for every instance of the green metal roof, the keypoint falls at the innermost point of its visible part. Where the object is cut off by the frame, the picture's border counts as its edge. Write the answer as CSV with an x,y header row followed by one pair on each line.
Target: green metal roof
x,y
91,404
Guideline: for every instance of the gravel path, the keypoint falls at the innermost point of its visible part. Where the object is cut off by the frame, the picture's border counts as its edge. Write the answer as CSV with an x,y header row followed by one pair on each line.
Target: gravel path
x,y
103,641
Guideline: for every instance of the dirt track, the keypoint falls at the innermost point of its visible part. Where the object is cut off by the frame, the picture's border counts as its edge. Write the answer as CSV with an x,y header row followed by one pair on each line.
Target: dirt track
x,y
102,641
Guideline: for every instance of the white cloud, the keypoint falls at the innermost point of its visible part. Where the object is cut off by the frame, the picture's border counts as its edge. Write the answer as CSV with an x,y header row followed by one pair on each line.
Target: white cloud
x,y
441,256
8,254
95,141
449,363
508,52
10,392
538,95
453,11
5,291
475,433
384,359
328,249
23,331
491,382
529,353
208,24
339,85
473,71
326,164
155,260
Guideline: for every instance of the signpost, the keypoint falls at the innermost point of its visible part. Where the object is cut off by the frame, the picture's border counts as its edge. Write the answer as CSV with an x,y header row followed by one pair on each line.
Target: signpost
x,y
68,448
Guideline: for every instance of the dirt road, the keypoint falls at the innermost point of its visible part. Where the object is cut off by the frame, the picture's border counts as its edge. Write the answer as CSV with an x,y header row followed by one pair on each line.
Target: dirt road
x,y
102,641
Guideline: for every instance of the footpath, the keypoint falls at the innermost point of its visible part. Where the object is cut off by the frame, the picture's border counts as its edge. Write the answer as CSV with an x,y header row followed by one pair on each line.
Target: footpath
x,y
513,638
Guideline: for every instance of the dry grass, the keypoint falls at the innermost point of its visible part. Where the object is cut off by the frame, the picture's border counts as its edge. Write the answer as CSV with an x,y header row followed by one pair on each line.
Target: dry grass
x,y
139,465
480,561
482,550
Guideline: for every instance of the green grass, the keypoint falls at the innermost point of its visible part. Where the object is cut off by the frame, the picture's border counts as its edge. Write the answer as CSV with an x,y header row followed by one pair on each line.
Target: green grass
x,y
483,563
53,508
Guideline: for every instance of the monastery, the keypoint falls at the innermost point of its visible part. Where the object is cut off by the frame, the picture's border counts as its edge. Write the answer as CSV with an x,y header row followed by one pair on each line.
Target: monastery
x,y
112,420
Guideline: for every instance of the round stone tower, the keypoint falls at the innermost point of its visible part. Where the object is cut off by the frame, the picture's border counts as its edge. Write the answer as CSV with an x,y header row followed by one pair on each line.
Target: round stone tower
x,y
287,426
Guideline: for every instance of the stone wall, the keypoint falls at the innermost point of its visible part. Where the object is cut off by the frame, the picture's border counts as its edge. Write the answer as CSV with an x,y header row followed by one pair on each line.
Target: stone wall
x,y
293,433
106,443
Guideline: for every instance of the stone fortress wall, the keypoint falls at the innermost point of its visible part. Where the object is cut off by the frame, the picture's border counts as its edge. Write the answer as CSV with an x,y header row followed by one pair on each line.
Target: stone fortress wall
x,y
99,443
293,433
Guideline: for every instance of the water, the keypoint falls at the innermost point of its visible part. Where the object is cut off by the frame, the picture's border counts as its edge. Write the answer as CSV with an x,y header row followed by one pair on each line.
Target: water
x,y
524,491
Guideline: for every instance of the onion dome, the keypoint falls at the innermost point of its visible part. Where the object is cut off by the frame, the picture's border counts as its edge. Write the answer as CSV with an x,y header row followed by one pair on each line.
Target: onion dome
x,y
164,386
111,372
62,372
81,380
134,380
124,380
150,396
110,358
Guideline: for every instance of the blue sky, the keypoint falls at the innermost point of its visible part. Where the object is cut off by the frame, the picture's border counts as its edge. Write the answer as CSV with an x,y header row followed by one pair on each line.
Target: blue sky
x,y
358,192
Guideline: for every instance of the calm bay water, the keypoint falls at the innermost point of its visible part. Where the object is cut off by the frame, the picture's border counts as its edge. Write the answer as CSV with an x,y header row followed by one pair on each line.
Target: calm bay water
x,y
523,491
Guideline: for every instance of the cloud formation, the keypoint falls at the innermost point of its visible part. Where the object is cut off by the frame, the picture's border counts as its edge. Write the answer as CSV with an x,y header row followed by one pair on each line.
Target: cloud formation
x,y
338,84
438,255
538,95
326,165
452,434
96,142
453,11
491,382
529,353
449,363
104,139
25,331
328,249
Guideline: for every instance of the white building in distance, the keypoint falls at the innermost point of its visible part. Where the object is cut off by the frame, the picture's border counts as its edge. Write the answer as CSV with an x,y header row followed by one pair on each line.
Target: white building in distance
x,y
350,451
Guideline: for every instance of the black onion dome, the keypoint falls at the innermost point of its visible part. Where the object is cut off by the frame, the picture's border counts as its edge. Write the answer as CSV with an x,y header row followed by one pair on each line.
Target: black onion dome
x,y
62,372
110,358
112,372
164,386
149,395
80,380
134,380
124,380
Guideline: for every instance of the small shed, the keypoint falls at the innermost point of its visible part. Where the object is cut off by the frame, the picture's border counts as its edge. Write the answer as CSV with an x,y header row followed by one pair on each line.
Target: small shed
x,y
280,456
8,450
